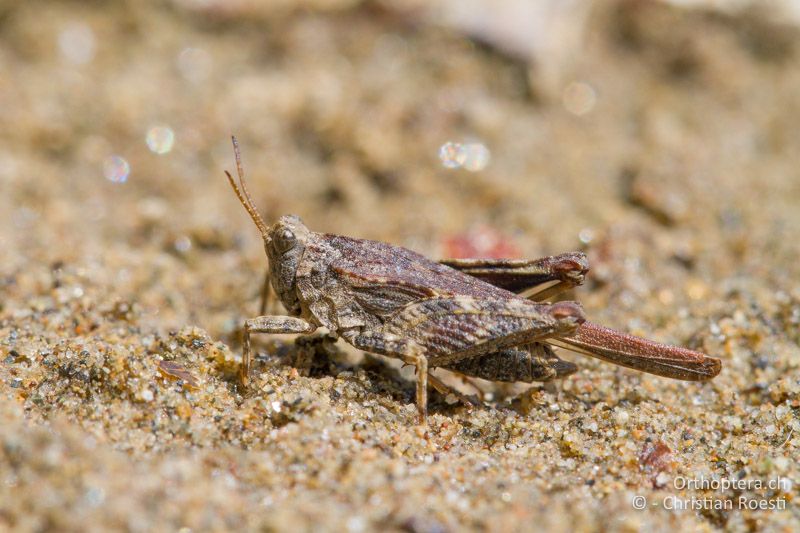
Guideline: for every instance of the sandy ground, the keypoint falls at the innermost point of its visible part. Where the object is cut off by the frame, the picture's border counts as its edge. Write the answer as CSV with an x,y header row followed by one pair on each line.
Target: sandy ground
x,y
672,158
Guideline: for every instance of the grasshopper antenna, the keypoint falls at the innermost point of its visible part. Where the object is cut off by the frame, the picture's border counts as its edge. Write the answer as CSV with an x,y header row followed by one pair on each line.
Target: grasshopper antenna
x,y
244,197
241,190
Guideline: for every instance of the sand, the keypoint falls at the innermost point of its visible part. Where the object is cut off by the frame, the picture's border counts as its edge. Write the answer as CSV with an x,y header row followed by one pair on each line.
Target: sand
x,y
671,158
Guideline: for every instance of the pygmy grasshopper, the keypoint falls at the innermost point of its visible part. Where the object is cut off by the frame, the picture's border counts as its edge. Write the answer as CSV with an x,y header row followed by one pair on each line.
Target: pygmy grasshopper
x,y
465,315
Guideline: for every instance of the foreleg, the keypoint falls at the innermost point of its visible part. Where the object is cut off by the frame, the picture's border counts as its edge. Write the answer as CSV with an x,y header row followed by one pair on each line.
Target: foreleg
x,y
268,324
266,291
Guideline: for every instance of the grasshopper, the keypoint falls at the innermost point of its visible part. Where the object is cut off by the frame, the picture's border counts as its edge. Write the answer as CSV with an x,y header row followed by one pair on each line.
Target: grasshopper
x,y
482,318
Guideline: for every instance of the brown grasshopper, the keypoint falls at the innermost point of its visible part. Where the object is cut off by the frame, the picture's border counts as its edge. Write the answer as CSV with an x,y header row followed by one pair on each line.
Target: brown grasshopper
x,y
464,315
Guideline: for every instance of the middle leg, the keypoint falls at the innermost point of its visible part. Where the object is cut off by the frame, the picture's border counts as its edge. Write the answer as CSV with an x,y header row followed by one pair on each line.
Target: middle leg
x,y
405,350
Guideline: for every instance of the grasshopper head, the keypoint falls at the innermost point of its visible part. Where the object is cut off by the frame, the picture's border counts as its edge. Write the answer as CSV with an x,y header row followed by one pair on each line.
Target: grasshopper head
x,y
284,241
285,237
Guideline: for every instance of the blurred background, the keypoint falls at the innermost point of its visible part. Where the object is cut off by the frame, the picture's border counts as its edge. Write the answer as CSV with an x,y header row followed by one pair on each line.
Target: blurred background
x,y
660,137
456,128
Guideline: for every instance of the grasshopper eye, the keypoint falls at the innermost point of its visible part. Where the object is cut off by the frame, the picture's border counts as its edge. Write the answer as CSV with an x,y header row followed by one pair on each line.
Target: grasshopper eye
x,y
284,240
